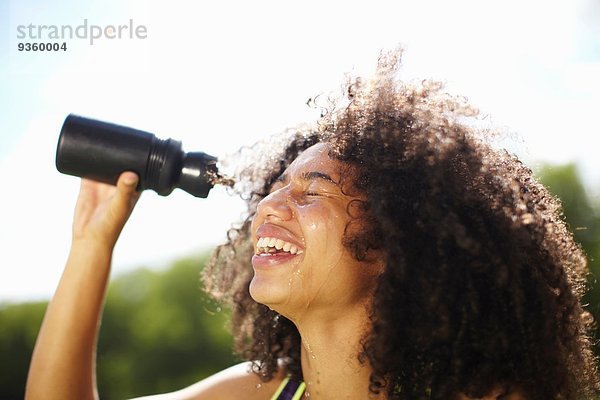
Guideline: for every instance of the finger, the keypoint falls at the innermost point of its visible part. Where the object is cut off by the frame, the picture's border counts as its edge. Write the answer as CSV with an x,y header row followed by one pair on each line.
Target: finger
x,y
126,189
121,204
90,194
127,181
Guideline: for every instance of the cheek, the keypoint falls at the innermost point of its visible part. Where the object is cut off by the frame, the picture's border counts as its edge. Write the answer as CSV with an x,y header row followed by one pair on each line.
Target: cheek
x,y
324,226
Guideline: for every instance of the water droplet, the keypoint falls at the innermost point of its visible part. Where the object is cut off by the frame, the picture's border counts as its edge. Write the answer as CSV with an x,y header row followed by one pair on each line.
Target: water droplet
x,y
312,353
218,309
258,385
217,179
275,322
307,394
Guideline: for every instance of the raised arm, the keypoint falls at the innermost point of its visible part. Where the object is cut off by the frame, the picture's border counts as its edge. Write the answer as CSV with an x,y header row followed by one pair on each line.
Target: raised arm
x,y
63,365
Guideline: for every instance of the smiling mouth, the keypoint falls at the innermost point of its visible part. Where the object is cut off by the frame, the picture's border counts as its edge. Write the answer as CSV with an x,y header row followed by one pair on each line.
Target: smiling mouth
x,y
269,246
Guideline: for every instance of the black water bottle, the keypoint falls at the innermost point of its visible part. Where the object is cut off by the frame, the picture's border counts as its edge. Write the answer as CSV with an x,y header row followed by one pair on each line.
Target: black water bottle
x,y
101,151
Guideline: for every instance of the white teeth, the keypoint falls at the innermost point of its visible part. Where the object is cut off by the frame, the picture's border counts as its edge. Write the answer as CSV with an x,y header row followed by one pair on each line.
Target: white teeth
x,y
270,245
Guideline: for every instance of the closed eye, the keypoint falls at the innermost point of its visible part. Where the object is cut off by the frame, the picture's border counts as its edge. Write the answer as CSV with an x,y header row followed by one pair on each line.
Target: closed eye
x,y
320,193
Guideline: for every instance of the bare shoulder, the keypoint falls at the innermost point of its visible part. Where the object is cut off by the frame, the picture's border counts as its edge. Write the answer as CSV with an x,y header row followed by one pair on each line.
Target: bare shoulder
x,y
236,382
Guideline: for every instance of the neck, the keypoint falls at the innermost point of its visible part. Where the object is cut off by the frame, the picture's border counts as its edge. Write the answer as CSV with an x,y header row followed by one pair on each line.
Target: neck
x,y
329,355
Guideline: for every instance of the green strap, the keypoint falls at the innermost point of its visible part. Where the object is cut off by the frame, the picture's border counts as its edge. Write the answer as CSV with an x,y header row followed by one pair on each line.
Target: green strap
x,y
299,392
280,388
297,395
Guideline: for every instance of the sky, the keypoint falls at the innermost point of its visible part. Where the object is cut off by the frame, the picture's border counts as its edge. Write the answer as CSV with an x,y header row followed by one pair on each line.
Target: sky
x,y
221,75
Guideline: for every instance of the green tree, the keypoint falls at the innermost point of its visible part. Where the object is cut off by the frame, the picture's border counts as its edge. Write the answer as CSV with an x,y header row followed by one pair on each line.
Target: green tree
x,y
583,217
159,333
19,325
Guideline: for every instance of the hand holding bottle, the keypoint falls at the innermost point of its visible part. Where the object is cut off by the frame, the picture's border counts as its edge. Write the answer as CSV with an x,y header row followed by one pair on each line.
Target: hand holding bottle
x,y
102,210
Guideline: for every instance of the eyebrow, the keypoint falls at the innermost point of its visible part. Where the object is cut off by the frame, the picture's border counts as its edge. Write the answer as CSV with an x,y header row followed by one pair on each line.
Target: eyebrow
x,y
310,176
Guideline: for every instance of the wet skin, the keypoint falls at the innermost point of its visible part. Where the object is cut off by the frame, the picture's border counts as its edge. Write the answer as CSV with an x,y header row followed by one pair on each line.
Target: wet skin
x,y
309,208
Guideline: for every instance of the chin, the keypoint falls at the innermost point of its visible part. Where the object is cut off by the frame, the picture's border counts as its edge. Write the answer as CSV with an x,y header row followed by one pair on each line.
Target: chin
x,y
284,298
268,293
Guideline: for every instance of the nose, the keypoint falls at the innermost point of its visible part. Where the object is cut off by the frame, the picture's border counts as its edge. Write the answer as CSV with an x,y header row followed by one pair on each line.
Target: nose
x,y
275,206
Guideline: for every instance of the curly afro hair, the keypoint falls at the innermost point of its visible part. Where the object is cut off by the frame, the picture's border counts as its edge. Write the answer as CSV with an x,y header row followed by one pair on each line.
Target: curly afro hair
x,y
483,281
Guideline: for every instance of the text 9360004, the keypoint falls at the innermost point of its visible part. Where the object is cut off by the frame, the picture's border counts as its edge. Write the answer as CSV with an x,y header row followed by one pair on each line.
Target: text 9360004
x,y
42,46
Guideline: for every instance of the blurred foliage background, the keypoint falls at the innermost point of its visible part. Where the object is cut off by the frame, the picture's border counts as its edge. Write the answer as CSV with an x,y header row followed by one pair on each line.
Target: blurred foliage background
x,y
160,332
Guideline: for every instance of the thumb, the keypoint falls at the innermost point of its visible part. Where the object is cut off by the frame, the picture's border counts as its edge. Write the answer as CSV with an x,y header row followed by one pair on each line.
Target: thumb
x,y
126,196
127,182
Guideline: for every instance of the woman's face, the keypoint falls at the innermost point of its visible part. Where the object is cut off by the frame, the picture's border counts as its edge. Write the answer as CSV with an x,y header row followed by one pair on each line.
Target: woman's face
x,y
300,263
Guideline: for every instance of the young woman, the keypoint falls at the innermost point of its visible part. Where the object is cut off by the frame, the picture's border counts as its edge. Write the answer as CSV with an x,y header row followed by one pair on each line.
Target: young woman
x,y
389,253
